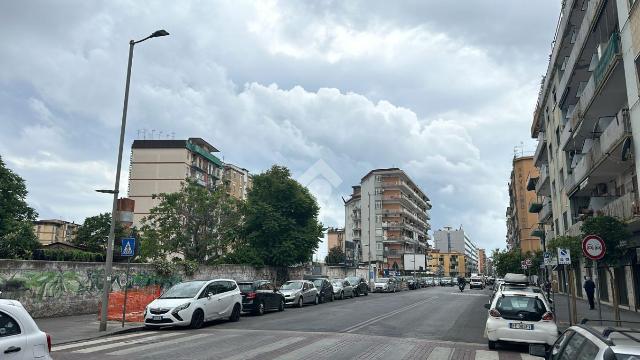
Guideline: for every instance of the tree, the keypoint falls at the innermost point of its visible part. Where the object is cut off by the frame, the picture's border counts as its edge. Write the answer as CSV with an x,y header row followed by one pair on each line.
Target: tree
x,y
614,233
335,257
94,233
507,261
198,223
17,239
282,219
573,243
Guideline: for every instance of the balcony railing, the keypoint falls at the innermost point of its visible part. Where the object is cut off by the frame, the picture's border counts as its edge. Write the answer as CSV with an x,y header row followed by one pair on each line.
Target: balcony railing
x,y
542,145
619,128
609,55
535,206
545,213
395,253
566,130
624,207
543,178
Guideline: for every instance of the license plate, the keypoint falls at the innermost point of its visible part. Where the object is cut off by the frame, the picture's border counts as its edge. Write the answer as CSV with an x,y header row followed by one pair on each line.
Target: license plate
x,y
157,318
521,326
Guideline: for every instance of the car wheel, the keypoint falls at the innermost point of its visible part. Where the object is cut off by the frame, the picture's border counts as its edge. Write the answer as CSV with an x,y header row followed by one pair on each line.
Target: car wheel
x,y
260,309
317,301
300,302
235,314
281,306
492,345
333,296
197,319
341,295
356,293
366,293
394,290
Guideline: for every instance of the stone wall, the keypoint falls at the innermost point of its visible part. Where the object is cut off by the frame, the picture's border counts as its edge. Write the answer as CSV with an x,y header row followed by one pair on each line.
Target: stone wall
x,y
60,288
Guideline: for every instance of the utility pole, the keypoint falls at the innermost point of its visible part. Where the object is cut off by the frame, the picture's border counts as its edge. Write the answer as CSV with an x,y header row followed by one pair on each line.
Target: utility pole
x,y
369,235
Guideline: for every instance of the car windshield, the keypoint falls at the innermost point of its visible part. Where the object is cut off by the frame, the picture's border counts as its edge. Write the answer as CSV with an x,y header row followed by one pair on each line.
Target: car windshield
x,y
521,308
183,290
627,357
245,286
293,285
382,280
337,282
353,280
318,283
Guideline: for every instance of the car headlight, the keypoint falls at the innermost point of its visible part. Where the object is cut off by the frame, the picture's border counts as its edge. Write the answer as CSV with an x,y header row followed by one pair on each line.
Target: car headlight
x,y
181,307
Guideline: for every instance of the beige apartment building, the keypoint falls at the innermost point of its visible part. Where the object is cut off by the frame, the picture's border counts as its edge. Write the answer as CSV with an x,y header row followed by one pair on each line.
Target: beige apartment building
x,y
53,231
335,238
446,263
387,216
482,262
521,222
237,180
587,111
161,166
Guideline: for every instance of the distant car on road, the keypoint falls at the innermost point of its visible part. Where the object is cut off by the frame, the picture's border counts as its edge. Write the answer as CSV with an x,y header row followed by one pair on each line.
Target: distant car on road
x,y
20,337
325,290
360,286
430,281
412,283
476,282
446,281
259,296
342,289
192,303
385,285
299,292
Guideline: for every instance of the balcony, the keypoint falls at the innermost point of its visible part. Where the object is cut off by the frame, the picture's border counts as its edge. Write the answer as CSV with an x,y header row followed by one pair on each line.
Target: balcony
x,y
542,186
531,182
618,129
623,208
609,56
565,136
535,206
540,156
393,253
544,216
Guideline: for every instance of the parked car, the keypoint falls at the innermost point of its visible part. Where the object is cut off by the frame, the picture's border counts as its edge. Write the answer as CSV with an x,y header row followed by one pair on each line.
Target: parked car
x,y
520,317
446,281
325,290
476,282
422,282
430,281
342,289
20,337
360,286
192,303
412,283
385,285
299,292
593,343
259,296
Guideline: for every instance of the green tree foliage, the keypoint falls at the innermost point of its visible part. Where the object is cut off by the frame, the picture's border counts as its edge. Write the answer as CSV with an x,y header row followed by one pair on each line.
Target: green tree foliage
x,y
197,223
335,256
282,219
17,239
94,233
243,254
507,261
614,232
573,243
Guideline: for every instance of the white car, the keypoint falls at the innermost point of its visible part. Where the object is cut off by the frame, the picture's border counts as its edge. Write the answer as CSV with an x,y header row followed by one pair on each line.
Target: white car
x,y
476,282
520,317
191,303
20,337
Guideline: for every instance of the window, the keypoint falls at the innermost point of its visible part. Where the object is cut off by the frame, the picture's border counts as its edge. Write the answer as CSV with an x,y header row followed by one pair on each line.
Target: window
x,y
379,232
8,325
565,221
553,187
378,191
557,347
378,204
378,178
561,173
637,67
557,228
378,219
589,351
573,347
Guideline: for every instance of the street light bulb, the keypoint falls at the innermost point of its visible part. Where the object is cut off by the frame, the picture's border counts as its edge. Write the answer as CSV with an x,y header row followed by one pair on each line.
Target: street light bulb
x,y
159,33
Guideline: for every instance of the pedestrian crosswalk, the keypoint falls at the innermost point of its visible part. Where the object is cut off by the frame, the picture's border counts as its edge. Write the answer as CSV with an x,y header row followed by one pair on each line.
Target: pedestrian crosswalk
x,y
281,345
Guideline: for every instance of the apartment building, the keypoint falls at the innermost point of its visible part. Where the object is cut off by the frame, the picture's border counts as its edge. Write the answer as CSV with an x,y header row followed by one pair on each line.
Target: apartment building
x,y
387,216
53,231
161,166
482,262
521,222
587,110
238,181
335,238
446,263
449,240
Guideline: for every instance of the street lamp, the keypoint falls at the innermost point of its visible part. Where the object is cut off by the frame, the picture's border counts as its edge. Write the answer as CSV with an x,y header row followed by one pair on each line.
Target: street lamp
x,y
109,258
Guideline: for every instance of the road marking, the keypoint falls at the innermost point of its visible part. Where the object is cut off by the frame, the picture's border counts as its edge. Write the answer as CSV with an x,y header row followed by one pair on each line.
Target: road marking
x,y
384,316
441,353
137,349
266,348
124,343
99,341
305,351
487,355
469,294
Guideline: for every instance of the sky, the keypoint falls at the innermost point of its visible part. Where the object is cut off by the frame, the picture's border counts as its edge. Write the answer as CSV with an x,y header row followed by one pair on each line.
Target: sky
x,y
331,89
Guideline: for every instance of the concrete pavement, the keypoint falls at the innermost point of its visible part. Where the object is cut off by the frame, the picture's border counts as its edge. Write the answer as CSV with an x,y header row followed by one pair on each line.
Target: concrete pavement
x,y
433,323
584,312
80,327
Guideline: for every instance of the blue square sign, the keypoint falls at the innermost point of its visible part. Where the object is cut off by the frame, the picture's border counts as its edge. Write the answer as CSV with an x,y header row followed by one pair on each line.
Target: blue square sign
x,y
128,247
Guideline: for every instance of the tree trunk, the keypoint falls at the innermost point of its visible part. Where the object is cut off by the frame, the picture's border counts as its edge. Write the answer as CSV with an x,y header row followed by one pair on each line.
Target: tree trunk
x,y
572,290
614,293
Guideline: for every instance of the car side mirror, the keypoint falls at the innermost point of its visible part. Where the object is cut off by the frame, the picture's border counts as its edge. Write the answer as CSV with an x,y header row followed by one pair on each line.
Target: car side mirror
x,y
209,295
537,350
487,306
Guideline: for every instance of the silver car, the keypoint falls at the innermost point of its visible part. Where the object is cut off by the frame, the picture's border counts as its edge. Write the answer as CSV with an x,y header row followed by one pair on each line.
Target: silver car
x,y
299,292
385,285
342,288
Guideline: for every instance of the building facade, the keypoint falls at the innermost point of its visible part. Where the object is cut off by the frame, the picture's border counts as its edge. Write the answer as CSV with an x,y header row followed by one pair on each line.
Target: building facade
x,y
587,112
387,216
335,238
238,181
448,240
521,222
446,263
161,166
482,262
53,231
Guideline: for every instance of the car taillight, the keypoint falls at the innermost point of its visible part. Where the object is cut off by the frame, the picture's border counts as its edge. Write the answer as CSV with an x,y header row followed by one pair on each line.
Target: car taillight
x,y
494,313
547,316
49,342
251,295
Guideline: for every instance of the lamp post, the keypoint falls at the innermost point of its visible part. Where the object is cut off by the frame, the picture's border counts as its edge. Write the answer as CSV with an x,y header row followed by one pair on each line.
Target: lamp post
x,y
109,258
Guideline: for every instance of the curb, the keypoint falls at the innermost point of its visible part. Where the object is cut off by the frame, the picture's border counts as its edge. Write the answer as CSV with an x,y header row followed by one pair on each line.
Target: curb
x,y
105,334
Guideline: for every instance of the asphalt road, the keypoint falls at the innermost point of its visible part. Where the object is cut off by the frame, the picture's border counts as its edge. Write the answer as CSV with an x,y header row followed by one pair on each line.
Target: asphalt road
x,y
433,323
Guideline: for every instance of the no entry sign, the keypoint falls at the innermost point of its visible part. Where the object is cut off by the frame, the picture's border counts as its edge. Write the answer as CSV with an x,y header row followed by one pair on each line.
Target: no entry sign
x,y
593,247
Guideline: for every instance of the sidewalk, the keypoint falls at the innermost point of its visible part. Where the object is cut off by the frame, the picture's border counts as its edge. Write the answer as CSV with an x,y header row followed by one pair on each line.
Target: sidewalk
x,y
584,312
80,327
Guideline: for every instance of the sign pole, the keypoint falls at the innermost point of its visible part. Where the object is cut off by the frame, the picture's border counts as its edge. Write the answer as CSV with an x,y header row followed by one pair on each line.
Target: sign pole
x,y
594,248
126,289
597,290
566,279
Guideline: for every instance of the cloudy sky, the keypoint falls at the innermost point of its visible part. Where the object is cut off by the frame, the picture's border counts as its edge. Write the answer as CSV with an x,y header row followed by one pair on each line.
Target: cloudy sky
x,y
442,89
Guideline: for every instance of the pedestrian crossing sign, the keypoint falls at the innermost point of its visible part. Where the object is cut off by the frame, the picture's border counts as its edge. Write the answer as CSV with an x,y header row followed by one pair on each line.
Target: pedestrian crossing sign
x,y
128,247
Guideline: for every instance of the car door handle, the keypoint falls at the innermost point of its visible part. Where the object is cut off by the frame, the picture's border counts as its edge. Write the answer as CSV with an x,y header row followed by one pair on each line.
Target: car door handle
x,y
12,349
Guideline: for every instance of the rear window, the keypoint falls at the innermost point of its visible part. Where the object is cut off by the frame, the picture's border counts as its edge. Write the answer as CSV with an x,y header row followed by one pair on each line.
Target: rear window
x,y
521,308
245,286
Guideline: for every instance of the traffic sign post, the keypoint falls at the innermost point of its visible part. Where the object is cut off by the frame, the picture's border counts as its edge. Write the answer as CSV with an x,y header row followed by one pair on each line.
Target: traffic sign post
x,y
594,248
564,259
128,249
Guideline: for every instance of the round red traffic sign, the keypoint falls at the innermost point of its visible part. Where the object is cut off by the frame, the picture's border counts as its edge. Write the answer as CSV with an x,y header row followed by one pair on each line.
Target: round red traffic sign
x,y
593,247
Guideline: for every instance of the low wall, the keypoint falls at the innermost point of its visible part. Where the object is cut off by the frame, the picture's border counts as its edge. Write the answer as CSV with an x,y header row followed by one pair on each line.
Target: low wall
x,y
61,288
